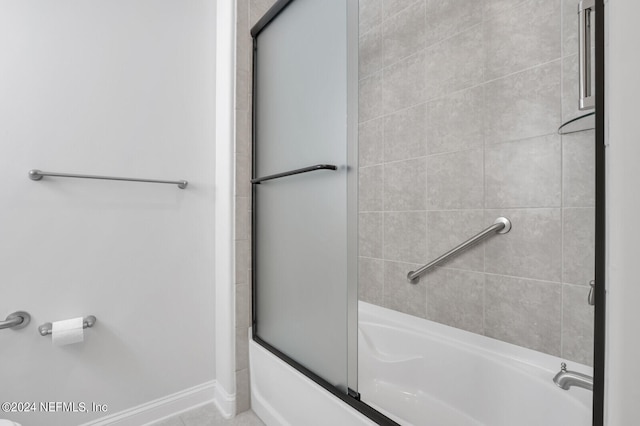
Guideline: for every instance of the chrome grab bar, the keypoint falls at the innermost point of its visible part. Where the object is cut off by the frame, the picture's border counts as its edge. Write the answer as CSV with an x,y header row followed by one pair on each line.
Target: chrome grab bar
x,y
502,225
16,320
295,172
47,327
35,174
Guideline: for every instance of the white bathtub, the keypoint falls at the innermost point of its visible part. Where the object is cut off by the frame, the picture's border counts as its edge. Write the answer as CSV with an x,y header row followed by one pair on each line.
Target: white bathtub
x,y
422,373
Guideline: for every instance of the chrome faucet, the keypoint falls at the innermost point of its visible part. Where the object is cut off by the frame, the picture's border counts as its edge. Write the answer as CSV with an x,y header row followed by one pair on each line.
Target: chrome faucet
x,y
565,379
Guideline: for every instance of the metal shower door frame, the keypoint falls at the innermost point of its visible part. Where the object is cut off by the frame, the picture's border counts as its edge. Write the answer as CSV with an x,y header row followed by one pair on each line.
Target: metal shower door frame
x,y
598,405
351,397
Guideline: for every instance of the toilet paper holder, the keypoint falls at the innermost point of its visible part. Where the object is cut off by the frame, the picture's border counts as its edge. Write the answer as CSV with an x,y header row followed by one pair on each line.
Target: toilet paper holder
x,y
87,322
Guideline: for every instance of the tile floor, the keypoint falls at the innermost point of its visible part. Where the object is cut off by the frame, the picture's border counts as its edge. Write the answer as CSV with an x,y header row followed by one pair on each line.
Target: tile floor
x,y
208,415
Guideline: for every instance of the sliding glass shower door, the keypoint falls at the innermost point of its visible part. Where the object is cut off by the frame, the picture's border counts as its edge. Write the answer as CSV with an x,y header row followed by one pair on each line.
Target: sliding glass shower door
x,y
304,182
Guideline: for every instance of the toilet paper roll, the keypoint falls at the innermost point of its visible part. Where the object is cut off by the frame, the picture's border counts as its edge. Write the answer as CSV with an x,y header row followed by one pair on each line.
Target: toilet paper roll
x,y
67,332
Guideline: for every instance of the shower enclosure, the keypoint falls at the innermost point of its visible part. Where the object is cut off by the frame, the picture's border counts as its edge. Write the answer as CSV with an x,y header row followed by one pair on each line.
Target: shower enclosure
x,y
427,233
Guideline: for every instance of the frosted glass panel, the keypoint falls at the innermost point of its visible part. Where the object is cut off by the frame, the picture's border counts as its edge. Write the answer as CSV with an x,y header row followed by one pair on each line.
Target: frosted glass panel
x,y
300,250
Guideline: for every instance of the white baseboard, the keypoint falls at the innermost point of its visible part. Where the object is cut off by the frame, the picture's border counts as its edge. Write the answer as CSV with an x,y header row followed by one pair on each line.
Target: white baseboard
x,y
225,401
171,405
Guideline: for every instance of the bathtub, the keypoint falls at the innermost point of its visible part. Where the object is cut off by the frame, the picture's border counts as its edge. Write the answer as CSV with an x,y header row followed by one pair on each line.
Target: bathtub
x,y
422,373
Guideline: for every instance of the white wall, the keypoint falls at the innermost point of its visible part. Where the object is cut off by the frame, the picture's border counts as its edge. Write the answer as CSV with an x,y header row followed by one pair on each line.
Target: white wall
x,y
111,87
623,192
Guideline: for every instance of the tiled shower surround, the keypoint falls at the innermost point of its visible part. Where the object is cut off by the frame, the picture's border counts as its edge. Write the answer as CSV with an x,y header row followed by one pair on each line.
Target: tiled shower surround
x,y
460,102
248,12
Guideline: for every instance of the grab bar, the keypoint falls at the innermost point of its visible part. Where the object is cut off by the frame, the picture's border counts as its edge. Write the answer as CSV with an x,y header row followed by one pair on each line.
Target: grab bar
x,y
16,320
502,225
295,172
47,327
35,174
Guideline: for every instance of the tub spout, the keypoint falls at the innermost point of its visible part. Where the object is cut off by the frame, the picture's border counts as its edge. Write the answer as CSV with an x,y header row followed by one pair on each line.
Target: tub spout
x,y
566,379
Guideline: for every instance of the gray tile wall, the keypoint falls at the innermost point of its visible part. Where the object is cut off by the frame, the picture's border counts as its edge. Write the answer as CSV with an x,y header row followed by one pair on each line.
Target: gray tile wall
x,y
459,108
247,14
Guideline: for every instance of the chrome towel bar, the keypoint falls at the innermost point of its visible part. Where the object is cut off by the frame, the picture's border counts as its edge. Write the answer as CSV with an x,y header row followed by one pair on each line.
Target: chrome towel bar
x,y
46,328
35,174
502,225
295,172
16,320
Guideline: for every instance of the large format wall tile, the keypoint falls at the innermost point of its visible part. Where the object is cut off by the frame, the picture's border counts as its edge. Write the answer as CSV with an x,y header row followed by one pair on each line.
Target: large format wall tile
x,y
404,83
370,12
399,294
579,169
446,18
243,176
579,245
405,134
577,325
522,37
405,236
533,247
371,280
391,7
447,229
370,234
370,97
456,298
403,34
370,52
491,8
454,181
523,105
243,305
455,122
524,173
242,349
405,185
524,312
370,188
243,133
243,261
243,218
455,63
569,27
570,100
243,390
370,142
